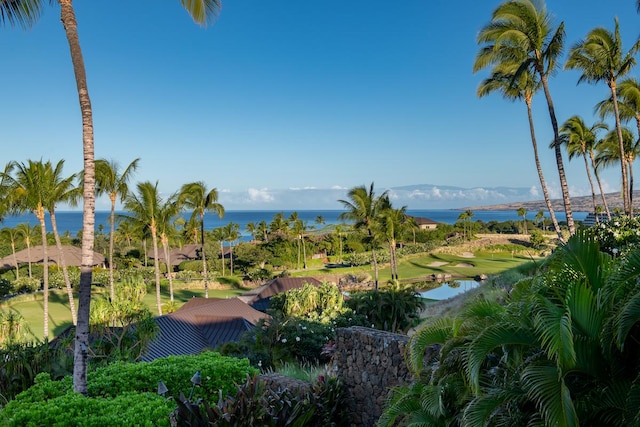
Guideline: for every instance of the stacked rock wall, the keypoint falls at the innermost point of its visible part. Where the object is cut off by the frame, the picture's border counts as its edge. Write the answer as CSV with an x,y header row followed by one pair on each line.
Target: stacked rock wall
x,y
369,362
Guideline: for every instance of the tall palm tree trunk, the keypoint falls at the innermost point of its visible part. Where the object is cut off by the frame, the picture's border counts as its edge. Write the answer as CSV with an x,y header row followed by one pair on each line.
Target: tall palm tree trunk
x,y
543,184
597,175
15,260
67,15
204,260
222,255
304,254
45,271
593,189
65,271
29,256
156,267
165,248
623,166
112,231
558,153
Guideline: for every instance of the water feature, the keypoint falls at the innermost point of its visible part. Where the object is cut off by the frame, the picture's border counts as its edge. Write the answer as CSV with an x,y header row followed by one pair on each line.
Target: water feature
x,y
449,289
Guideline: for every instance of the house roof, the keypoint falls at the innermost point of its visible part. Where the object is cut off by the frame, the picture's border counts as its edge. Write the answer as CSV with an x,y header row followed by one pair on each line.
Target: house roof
x,y
424,221
177,256
277,286
72,256
201,324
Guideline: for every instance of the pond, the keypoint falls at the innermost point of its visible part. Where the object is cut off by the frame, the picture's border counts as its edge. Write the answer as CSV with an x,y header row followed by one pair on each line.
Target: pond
x,y
445,290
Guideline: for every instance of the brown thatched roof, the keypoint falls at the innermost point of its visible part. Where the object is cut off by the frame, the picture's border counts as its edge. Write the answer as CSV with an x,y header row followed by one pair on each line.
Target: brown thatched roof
x,y
72,256
177,256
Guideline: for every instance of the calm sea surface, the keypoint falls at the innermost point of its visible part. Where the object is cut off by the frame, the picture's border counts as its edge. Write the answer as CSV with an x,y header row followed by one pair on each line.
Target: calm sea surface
x,y
71,221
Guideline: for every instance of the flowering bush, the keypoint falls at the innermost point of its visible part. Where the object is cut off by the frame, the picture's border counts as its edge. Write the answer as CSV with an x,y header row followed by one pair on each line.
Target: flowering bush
x,y
619,235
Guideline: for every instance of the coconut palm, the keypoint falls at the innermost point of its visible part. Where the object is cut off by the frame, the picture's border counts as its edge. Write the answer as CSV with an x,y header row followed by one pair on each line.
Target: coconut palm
x,y
503,79
522,30
609,151
61,190
27,234
29,193
168,233
12,235
112,182
218,235
231,234
580,140
600,58
295,228
25,13
363,207
522,211
390,223
196,196
143,209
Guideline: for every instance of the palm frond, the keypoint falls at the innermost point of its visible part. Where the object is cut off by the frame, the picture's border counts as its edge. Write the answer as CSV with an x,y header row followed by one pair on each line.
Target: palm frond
x,y
547,389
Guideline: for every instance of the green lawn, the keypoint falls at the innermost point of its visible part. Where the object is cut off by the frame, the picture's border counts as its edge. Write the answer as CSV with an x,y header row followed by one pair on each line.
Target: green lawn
x,y
31,306
421,266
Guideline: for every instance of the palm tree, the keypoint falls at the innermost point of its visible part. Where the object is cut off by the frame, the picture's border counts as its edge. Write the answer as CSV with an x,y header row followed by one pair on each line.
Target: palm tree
x,y
465,217
167,232
144,209
600,58
503,79
219,235
61,190
279,225
295,227
609,151
27,233
231,234
113,183
28,192
522,30
522,211
391,222
12,235
363,207
263,229
196,196
26,13
580,140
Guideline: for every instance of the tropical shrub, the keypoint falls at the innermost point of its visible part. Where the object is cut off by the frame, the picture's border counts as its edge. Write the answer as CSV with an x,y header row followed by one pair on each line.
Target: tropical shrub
x,y
256,404
6,287
618,235
395,307
125,393
562,350
25,285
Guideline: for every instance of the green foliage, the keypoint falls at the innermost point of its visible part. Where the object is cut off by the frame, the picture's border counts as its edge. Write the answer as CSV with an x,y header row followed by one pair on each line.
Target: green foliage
x,y
6,287
256,404
537,240
619,235
26,284
561,349
395,308
125,393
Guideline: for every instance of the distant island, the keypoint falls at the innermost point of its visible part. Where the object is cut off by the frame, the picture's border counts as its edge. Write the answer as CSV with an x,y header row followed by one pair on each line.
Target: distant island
x,y
578,204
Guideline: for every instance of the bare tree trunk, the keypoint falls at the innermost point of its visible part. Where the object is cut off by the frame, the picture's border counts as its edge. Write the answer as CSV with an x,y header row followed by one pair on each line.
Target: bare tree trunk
x,y
602,195
45,271
165,247
67,15
558,153
204,260
543,184
623,165
65,271
156,266
593,190
112,223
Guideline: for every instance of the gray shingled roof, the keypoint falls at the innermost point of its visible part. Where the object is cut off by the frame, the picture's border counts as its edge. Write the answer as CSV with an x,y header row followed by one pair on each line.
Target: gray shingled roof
x,y
201,324
176,256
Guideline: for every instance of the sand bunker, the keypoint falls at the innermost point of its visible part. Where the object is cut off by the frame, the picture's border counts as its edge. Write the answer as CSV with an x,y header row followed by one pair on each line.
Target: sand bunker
x,y
464,264
437,264
467,255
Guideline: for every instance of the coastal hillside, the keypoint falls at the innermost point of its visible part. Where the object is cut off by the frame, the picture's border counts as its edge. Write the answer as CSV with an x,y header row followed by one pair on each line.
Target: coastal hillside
x,y
578,204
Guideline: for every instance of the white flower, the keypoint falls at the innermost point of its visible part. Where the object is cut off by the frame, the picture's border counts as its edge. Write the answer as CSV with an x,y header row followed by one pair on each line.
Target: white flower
x,y
304,328
284,340
298,339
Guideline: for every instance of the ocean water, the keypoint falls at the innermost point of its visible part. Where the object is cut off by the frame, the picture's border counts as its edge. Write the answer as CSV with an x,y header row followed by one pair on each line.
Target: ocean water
x,y
71,221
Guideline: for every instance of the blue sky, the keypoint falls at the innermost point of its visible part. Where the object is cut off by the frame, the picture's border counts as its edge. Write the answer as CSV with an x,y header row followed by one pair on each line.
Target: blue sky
x,y
287,104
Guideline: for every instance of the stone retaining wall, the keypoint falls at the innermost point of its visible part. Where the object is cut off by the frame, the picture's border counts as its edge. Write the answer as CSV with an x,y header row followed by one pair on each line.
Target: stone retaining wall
x,y
369,362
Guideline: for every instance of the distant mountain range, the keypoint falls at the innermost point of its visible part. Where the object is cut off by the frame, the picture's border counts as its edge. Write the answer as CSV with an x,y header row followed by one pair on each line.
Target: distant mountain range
x,y
414,197
578,204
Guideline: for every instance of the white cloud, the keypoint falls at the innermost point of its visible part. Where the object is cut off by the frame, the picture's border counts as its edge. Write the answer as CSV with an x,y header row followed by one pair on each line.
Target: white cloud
x,y
261,196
